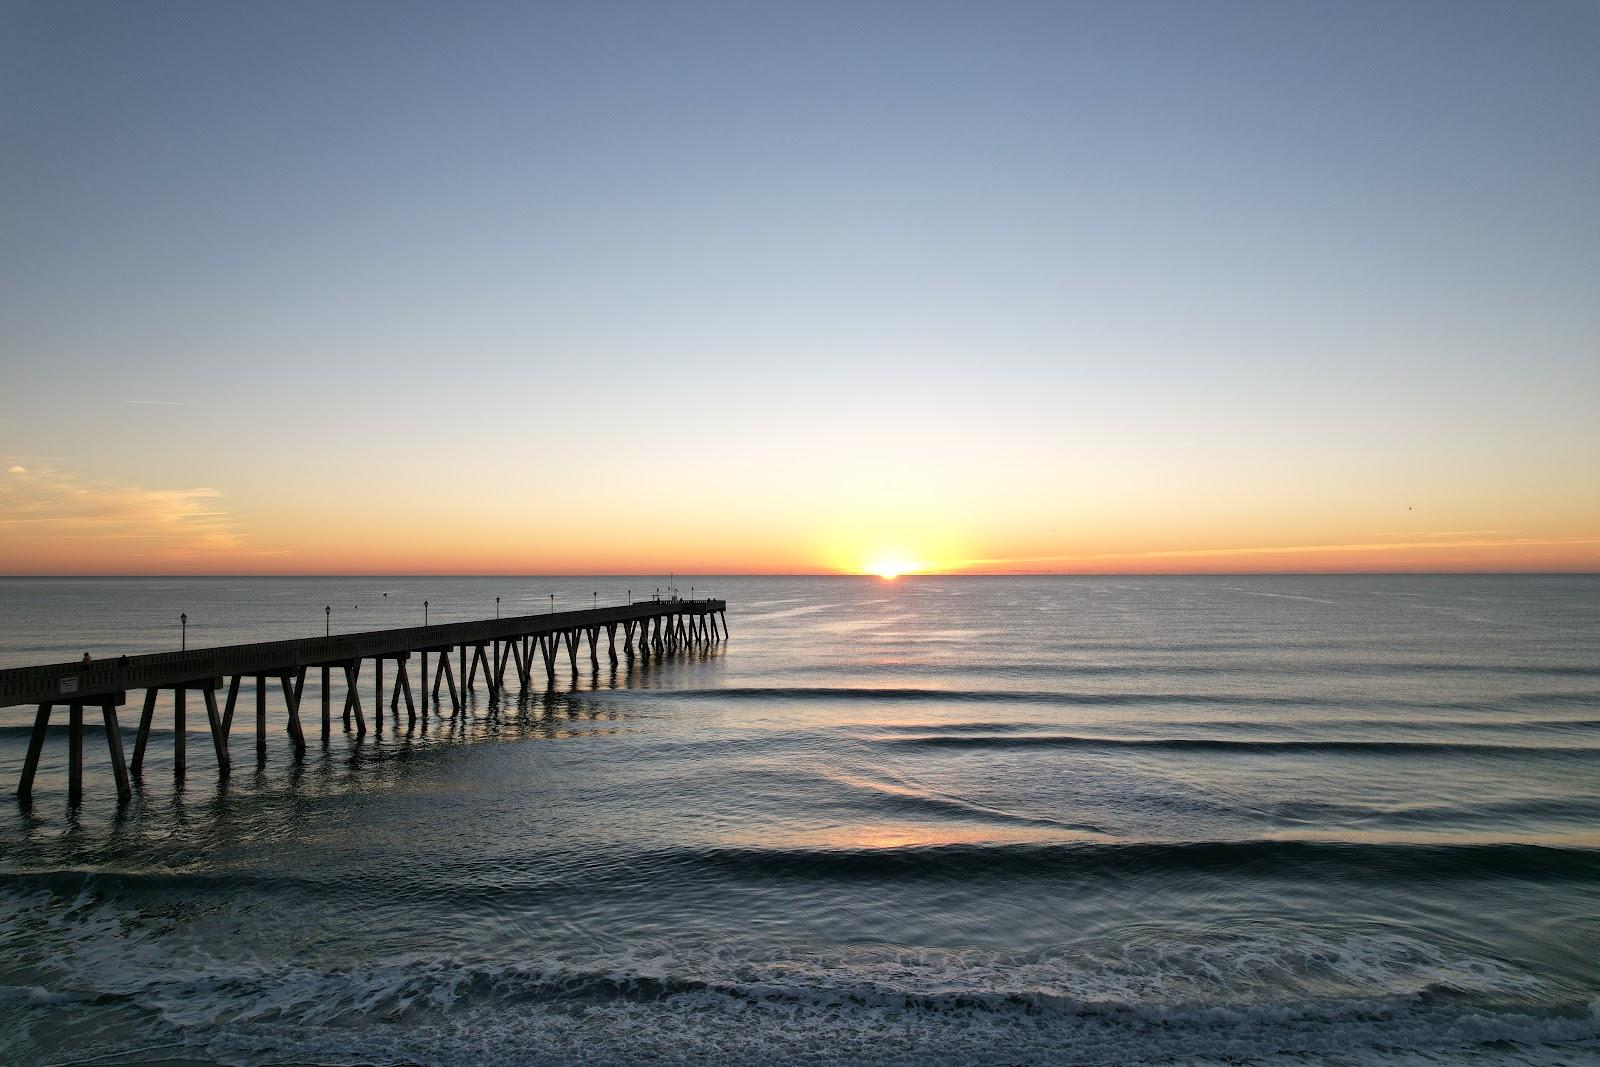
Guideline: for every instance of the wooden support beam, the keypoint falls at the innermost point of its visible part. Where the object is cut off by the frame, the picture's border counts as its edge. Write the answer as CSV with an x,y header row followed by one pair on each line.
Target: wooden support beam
x,y
233,699
119,768
422,684
75,754
327,704
352,696
515,649
611,641
180,733
403,685
549,644
261,717
450,680
291,698
30,762
142,738
219,734
571,638
462,657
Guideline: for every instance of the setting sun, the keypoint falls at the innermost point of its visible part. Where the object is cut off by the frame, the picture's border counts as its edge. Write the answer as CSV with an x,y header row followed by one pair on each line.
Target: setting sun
x,y
890,567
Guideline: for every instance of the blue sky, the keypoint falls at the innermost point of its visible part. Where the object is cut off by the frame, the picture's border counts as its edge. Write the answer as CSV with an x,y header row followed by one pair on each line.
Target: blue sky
x,y
1233,252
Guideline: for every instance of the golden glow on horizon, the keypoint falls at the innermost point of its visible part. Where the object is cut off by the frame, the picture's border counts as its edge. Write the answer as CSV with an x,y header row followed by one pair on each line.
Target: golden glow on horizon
x,y
57,521
891,565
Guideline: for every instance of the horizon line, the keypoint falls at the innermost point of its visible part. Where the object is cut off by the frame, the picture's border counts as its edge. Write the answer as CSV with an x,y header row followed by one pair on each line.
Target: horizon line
x,y
819,574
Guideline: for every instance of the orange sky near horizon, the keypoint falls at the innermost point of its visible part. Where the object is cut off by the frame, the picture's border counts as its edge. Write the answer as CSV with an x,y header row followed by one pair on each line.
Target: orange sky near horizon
x,y
53,523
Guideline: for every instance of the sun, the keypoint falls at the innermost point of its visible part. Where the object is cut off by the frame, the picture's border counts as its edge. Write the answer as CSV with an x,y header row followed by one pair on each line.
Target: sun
x,y
889,566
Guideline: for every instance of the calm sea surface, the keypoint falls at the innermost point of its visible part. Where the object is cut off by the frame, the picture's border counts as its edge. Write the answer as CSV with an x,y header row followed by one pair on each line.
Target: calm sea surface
x,y
1014,820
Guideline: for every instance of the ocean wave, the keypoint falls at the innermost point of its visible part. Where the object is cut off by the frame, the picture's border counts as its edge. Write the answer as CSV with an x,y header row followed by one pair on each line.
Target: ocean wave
x,y
923,801
1089,859
1577,811
494,887
1151,997
1424,726
916,694
1228,744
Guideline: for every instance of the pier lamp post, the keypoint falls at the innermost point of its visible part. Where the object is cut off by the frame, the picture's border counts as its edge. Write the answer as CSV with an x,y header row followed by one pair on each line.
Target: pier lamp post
x,y
424,613
497,607
327,621
183,620
552,603
594,599
630,598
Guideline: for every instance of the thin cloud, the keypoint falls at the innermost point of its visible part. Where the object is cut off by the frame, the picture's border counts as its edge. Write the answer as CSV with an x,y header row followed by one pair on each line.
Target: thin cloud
x,y
1279,550
1442,533
51,518
160,403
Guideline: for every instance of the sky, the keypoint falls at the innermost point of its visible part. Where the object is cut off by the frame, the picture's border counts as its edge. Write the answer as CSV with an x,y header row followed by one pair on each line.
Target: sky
x,y
760,288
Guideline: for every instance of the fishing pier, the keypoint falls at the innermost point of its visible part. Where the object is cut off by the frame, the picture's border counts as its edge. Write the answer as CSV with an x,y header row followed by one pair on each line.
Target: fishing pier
x,y
482,651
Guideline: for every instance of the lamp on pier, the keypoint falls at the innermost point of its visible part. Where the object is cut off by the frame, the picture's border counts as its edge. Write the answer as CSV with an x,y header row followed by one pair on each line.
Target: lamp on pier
x,y
424,613
497,607
183,620
327,620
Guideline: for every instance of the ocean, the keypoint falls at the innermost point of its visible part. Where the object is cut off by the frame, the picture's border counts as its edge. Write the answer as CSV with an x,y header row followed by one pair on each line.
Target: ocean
x,y
1011,820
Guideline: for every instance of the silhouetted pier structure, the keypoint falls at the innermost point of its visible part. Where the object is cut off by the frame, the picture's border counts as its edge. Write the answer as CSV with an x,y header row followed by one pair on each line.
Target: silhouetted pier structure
x,y
481,649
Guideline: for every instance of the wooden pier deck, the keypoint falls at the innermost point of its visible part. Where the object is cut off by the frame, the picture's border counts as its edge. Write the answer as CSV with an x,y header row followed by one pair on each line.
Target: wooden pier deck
x,y
481,649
